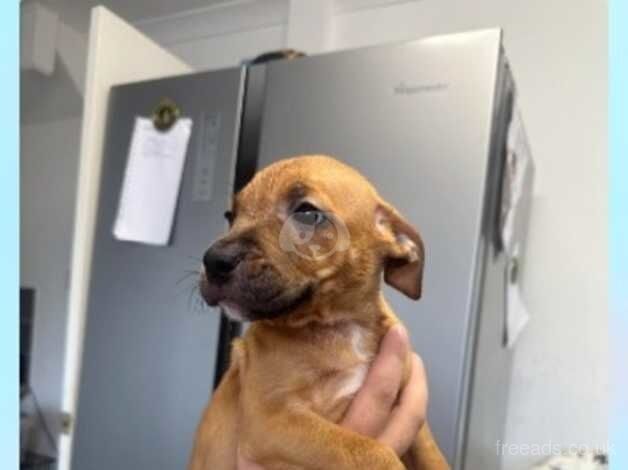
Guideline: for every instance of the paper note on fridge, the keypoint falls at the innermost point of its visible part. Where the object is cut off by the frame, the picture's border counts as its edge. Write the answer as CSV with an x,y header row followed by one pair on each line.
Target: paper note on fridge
x,y
517,175
150,189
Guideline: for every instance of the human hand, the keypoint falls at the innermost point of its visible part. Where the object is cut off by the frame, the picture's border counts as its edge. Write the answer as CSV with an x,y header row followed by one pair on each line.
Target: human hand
x,y
382,409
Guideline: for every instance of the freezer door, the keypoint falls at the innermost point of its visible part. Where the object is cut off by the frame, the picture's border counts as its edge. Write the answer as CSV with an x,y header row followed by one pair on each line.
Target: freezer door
x,y
416,120
150,345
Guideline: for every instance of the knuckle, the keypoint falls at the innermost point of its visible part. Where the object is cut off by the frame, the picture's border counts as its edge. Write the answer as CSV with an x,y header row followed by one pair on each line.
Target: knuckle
x,y
418,363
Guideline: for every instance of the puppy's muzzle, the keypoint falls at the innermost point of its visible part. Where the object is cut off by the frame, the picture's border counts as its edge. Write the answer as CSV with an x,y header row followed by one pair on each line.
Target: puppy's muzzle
x,y
237,275
220,260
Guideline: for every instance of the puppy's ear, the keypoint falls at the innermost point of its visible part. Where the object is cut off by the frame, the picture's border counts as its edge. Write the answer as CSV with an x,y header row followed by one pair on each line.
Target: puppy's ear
x,y
404,253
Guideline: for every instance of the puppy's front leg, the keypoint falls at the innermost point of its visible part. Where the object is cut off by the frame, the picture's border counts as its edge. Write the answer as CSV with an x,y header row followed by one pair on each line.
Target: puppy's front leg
x,y
215,445
425,453
305,440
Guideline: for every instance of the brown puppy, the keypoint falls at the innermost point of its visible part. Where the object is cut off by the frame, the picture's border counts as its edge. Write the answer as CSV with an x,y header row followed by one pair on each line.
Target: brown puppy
x,y
309,241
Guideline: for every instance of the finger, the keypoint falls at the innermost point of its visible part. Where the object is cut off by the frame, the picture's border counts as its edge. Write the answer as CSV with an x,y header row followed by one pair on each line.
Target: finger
x,y
369,410
409,415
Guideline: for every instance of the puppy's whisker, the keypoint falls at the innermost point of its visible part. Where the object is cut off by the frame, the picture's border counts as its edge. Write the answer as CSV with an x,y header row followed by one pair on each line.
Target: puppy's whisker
x,y
195,302
191,299
201,306
187,276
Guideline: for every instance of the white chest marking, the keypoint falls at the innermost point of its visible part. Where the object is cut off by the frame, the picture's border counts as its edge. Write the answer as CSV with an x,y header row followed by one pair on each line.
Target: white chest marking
x,y
353,382
357,342
232,311
357,374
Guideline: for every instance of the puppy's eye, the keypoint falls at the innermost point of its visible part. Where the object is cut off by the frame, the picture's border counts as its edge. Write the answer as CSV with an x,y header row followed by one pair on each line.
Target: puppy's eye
x,y
229,216
308,214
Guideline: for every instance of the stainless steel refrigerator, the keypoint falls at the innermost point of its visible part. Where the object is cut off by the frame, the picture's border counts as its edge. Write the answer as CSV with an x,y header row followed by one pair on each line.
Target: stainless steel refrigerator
x,y
426,121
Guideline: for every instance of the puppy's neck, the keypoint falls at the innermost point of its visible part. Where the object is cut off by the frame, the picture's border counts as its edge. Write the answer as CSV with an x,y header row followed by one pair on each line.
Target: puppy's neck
x,y
368,310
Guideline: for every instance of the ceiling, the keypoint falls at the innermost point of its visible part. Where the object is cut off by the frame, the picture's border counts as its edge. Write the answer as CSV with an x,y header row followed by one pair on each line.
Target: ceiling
x,y
76,13
134,10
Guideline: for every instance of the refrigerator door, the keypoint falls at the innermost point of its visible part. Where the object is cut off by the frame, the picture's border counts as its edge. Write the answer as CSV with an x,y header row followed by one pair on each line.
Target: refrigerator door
x,y
150,344
416,119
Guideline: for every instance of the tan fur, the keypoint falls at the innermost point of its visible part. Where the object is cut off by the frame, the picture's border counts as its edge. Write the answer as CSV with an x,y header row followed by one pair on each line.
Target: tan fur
x,y
283,392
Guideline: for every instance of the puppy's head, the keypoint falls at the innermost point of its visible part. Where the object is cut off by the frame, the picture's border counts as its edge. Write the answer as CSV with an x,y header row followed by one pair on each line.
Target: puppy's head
x,y
309,237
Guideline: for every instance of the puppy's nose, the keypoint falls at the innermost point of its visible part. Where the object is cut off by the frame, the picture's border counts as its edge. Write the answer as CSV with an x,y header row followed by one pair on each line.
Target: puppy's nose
x,y
220,260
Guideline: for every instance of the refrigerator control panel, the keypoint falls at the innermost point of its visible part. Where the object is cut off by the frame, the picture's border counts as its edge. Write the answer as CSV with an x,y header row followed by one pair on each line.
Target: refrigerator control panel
x,y
207,152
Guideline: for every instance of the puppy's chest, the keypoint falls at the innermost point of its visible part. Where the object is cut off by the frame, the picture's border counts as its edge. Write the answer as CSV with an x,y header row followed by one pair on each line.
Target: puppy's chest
x,y
319,369
342,372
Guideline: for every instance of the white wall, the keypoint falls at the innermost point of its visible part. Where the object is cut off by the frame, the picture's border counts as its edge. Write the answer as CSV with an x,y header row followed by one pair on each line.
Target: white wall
x,y
48,174
229,49
221,35
50,128
558,53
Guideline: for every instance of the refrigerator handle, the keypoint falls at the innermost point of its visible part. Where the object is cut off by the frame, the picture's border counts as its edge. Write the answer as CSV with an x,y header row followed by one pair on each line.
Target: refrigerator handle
x,y
246,166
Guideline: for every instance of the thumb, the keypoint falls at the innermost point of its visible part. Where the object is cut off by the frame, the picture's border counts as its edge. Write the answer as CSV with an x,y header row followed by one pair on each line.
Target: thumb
x,y
370,409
